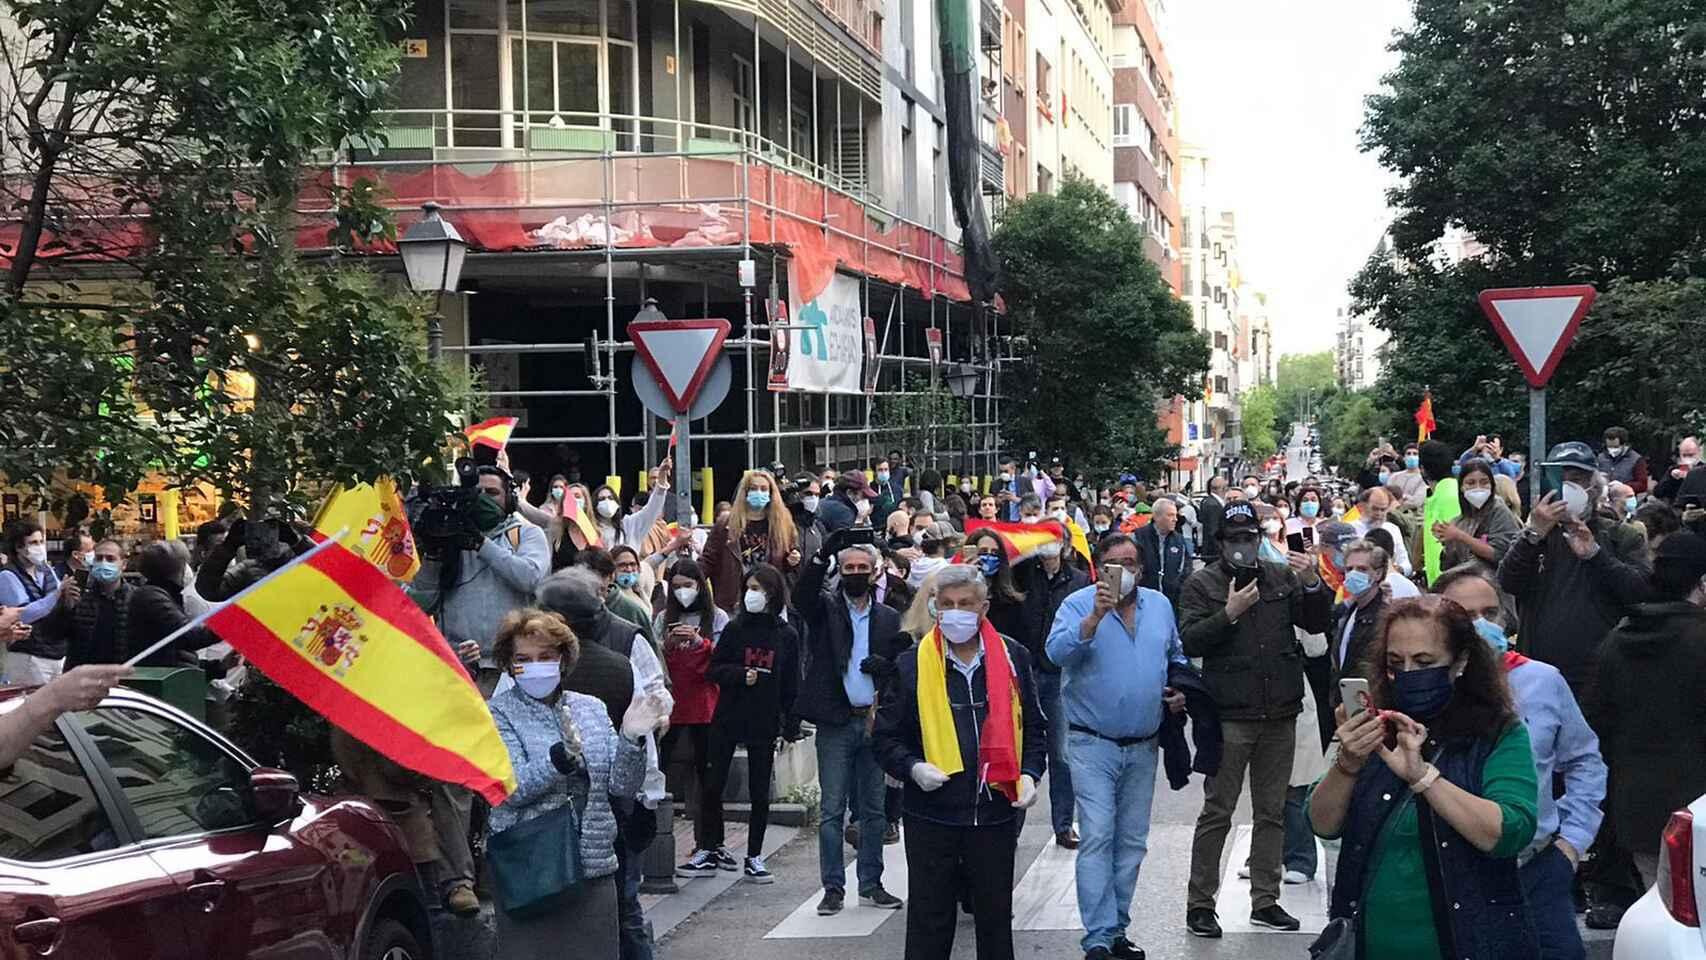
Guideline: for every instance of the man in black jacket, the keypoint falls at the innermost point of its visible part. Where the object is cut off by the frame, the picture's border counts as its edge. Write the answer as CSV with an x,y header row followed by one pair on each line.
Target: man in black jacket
x,y
1164,551
1210,512
959,827
851,643
1253,665
848,504
1048,580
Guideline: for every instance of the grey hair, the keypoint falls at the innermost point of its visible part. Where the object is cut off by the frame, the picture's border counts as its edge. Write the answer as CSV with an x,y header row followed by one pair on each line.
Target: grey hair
x,y
1376,553
569,577
962,575
867,549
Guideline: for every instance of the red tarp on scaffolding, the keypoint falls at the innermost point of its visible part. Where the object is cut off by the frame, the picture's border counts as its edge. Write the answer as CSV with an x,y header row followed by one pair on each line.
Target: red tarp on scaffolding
x,y
653,202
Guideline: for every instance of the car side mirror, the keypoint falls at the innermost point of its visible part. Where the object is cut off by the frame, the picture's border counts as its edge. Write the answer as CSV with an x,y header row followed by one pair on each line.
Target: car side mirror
x,y
276,795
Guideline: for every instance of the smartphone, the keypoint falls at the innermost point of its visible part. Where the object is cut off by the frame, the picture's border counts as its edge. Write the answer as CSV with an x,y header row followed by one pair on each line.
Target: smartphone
x,y
1114,575
853,536
1353,693
1243,577
1294,541
1308,534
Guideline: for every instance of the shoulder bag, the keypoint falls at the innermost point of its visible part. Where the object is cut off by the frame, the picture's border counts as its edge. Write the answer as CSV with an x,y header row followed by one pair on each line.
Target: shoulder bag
x,y
538,859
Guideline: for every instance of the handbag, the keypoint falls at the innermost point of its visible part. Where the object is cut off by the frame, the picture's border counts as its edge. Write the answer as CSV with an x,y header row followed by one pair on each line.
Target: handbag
x,y
537,860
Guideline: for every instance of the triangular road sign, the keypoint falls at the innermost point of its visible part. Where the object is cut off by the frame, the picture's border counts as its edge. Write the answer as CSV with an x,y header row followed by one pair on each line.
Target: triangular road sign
x,y
679,354
1537,324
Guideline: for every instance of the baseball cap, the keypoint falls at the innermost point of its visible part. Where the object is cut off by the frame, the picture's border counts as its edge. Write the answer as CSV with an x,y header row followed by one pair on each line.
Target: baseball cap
x,y
940,530
1571,453
1240,518
855,480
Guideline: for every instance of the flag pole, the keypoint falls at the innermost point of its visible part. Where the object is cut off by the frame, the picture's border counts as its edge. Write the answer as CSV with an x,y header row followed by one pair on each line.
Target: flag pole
x,y
198,621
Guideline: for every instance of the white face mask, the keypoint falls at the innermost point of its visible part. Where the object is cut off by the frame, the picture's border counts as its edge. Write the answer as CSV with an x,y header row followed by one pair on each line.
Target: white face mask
x,y
1576,499
686,595
556,493
89,559
1250,493
959,626
1006,477
1059,515
810,502
539,680
1034,518
1614,451
1270,527
1477,498
1049,549
607,508
755,601
36,553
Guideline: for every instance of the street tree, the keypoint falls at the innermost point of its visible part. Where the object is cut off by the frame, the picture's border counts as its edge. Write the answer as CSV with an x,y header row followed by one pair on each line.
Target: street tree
x,y
1106,340
1258,411
1303,380
1351,424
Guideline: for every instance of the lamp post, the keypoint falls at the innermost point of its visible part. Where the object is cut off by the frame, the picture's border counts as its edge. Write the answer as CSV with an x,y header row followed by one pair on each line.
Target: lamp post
x,y
962,381
432,254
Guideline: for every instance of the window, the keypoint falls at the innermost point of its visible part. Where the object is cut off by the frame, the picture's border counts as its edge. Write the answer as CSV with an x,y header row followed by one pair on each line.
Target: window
x,y
176,780
1125,120
1220,341
1045,180
743,87
1220,386
1045,88
1018,57
48,809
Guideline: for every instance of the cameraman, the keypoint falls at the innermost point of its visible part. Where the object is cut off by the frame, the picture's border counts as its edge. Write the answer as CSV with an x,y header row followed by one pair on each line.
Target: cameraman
x,y
493,571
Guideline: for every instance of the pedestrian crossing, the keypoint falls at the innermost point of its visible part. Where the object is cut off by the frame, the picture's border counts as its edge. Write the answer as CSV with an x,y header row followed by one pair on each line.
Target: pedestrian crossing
x,y
853,920
1305,901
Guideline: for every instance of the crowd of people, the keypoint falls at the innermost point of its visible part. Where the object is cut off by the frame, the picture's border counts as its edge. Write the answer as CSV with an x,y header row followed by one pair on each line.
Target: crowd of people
x,y
1418,651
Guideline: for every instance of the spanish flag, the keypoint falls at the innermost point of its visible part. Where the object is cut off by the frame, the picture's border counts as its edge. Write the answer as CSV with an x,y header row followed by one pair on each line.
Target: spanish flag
x,y
1425,425
334,631
1001,742
377,526
579,522
493,433
1021,539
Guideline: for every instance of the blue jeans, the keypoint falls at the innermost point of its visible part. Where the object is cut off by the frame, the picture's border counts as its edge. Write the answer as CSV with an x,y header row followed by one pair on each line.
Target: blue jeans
x,y
1059,773
1546,883
1115,786
635,932
1299,838
848,776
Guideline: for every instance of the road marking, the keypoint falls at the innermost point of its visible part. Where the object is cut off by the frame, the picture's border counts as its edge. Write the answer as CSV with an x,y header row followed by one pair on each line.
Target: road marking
x,y
1047,895
1307,901
853,920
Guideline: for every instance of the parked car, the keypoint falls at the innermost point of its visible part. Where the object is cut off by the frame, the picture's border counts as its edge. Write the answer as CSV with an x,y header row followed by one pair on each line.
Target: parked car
x,y
1665,923
133,830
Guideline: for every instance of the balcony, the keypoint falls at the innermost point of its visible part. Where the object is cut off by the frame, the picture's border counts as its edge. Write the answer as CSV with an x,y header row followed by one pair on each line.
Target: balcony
x,y
989,27
991,172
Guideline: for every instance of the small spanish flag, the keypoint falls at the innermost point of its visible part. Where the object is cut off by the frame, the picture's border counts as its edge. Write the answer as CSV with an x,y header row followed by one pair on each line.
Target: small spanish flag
x,y
579,522
493,433
1425,425
1021,539
376,525
331,628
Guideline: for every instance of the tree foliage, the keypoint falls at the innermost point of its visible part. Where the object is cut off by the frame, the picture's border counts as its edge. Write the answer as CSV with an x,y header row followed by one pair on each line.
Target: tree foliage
x,y
1258,410
1351,423
923,419
1303,378
1107,338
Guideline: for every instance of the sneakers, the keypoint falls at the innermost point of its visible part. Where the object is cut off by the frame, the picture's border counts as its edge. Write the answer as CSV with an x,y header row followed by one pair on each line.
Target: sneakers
x,y
1098,953
1202,922
1067,839
462,901
725,859
703,863
879,898
891,836
1295,877
1124,949
1275,918
830,905
756,872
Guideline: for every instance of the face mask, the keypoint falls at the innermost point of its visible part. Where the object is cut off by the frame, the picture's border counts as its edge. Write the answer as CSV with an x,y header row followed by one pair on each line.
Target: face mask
x,y
686,595
488,514
1241,552
1689,461
1059,515
1411,461
1006,477
1614,452
627,581
882,476
1270,527
1036,518
607,508
755,601
539,680
1338,511
1128,583
810,503
959,626
990,564
1272,554
1493,634
1477,498
855,585
1357,583
103,572
1308,509
36,554
862,508
580,501
1576,499
1100,527
1251,493
1630,504
1385,477
88,558
556,493
758,499
1049,550
1422,694
965,488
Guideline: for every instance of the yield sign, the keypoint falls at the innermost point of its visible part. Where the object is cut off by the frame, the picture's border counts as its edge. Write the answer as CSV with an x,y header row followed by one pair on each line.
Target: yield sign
x,y
1537,324
679,353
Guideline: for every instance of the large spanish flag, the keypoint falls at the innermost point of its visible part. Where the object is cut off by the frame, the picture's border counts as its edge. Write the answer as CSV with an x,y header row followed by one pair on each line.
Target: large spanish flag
x,y
492,433
1021,539
334,631
376,526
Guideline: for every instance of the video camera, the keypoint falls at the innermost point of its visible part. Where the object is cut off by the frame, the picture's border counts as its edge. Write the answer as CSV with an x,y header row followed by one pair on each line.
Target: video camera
x,y
443,518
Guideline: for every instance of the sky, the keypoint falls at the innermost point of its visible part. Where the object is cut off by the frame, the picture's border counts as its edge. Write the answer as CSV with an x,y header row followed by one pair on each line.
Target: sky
x,y
1274,93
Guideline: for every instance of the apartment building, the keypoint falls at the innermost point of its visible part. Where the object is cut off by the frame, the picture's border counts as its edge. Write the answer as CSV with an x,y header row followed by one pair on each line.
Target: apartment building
x,y
1145,135
1211,284
1356,350
1070,82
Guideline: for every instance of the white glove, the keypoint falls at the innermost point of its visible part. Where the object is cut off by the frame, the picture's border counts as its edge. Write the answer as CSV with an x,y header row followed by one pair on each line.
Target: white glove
x,y
1027,793
1314,644
644,716
928,776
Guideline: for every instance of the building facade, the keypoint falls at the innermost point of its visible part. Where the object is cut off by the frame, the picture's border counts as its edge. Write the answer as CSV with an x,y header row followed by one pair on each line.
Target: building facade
x,y
1145,135
1212,286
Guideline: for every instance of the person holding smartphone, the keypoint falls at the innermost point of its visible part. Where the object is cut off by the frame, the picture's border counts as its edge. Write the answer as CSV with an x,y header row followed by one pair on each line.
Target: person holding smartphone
x,y
1241,616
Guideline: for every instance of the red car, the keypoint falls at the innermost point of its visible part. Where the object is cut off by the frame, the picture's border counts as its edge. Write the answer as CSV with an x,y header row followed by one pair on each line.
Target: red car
x,y
132,831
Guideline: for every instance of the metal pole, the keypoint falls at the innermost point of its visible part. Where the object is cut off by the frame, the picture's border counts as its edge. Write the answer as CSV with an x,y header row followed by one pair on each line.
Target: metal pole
x,y
1536,439
683,470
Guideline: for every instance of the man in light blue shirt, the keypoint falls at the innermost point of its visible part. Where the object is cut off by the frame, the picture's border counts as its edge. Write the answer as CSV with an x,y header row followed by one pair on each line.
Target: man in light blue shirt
x,y
861,688
1113,644
1563,744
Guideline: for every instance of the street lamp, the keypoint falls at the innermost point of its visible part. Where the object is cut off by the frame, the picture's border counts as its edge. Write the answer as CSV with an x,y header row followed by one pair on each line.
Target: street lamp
x,y
962,380
432,254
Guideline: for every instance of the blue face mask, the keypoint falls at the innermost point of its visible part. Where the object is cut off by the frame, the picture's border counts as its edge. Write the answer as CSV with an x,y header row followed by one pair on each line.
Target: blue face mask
x,y
1422,694
1457,469
102,571
882,476
990,564
1385,477
1272,554
1412,461
1309,509
1493,634
627,581
1357,583
1630,504
758,499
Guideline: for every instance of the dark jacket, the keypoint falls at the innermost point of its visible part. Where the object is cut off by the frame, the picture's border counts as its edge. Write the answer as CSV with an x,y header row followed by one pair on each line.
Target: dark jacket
x,y
726,570
84,644
1254,667
808,528
1165,566
836,512
1362,640
1205,729
606,674
1211,513
1008,617
1568,605
157,609
49,635
899,741
1630,468
829,645
1043,596
1650,713
897,593
765,643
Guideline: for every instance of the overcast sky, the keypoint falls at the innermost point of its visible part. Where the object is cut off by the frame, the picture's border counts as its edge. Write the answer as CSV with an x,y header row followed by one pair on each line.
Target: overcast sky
x,y
1273,91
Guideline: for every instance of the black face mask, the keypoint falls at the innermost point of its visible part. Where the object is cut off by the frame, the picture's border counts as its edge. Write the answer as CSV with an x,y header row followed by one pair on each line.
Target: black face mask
x,y
1241,552
856,585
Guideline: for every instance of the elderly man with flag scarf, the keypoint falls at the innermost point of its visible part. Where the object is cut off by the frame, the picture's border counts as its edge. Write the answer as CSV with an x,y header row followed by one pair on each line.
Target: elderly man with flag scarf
x,y
961,726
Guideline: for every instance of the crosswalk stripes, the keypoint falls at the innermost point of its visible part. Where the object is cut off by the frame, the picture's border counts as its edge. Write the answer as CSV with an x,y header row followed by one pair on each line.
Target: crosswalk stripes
x,y
1305,901
853,920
